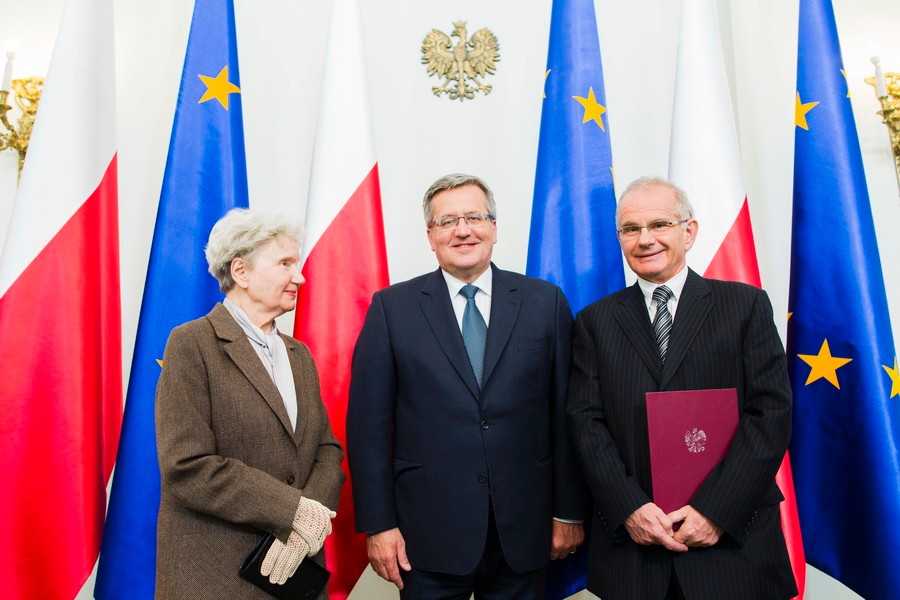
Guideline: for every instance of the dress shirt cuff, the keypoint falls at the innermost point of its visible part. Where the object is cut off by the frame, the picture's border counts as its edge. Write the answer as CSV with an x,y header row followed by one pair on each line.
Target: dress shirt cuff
x,y
569,521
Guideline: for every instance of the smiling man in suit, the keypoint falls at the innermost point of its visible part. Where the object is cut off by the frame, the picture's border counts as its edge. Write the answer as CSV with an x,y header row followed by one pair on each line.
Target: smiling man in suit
x,y
675,330
463,477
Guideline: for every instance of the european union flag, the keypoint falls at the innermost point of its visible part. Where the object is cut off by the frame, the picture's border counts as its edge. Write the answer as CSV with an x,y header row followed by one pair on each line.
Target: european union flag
x,y
840,347
573,233
206,175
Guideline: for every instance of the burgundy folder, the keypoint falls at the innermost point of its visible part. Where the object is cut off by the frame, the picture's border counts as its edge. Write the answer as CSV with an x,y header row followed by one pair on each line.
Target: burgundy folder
x,y
689,434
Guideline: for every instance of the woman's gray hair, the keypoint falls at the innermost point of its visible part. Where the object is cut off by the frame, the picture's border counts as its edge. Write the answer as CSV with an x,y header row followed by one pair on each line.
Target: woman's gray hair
x,y
451,182
683,207
239,234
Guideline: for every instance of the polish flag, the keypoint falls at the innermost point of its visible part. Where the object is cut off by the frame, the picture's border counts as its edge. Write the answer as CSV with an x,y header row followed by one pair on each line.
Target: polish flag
x,y
704,160
344,257
60,322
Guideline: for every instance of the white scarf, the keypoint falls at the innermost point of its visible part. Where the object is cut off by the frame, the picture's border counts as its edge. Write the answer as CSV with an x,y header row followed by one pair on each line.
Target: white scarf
x,y
273,354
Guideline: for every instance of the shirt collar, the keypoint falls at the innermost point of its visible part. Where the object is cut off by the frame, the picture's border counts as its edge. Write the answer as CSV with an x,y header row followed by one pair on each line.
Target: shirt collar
x,y
676,284
484,282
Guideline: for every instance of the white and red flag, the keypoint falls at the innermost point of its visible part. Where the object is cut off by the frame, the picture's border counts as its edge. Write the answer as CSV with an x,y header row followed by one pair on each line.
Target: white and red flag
x,y
344,257
705,161
60,322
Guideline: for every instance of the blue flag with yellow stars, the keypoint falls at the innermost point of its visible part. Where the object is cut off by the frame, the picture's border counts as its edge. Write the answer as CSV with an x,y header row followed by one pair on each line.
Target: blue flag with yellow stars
x,y
205,176
573,231
841,356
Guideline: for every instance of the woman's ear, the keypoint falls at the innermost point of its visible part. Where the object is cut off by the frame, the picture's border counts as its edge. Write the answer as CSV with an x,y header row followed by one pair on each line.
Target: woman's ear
x,y
239,270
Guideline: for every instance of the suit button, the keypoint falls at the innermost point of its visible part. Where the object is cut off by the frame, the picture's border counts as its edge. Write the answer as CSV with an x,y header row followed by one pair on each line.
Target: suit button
x,y
485,425
290,480
482,478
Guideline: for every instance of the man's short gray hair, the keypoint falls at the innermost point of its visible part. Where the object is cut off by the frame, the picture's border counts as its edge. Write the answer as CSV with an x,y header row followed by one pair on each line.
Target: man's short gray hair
x,y
683,207
239,234
451,182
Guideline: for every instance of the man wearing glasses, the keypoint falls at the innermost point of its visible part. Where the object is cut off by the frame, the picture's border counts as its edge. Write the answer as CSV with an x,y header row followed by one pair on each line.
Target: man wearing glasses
x,y
674,330
463,477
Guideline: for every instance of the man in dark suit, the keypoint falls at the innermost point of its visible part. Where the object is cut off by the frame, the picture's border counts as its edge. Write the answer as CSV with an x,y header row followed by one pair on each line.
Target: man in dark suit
x,y
463,477
695,334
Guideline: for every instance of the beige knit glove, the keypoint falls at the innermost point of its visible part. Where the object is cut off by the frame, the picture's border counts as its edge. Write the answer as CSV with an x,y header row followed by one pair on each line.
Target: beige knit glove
x,y
312,522
282,559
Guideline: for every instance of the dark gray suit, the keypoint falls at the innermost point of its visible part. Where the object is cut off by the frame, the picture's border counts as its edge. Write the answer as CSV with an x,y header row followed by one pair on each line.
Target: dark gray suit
x,y
723,336
427,448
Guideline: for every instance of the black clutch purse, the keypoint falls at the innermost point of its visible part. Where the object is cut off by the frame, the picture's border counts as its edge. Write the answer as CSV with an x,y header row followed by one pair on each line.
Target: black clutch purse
x,y
306,584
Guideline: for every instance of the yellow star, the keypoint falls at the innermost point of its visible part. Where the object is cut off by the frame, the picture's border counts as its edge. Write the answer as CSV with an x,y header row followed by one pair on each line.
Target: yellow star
x,y
592,109
546,75
218,87
160,362
824,365
844,73
800,112
894,374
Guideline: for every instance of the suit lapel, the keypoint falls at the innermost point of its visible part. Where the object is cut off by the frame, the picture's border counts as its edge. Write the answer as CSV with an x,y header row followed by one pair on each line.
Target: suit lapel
x,y
693,308
434,300
633,317
239,349
505,305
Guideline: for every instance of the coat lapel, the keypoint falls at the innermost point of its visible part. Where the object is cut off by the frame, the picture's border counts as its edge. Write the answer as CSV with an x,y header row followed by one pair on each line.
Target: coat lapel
x,y
633,317
693,308
299,387
238,348
434,300
505,305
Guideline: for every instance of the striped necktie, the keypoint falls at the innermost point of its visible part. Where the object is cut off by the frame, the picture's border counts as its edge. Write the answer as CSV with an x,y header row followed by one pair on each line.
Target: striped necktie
x,y
474,331
662,324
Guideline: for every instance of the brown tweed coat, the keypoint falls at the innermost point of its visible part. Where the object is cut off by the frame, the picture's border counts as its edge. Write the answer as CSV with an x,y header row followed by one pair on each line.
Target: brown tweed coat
x,y
231,466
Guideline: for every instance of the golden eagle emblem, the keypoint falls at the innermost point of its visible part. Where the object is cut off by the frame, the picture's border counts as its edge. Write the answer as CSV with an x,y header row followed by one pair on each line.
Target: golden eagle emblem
x,y
463,66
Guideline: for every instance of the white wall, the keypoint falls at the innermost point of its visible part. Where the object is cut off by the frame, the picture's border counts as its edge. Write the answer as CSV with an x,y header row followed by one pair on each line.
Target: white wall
x,y
420,137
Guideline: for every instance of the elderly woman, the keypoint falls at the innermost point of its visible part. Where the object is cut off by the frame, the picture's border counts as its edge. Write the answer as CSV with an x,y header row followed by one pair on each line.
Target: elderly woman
x,y
245,446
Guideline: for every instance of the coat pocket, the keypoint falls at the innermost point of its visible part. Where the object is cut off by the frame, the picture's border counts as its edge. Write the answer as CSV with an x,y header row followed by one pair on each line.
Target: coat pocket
x,y
535,344
402,465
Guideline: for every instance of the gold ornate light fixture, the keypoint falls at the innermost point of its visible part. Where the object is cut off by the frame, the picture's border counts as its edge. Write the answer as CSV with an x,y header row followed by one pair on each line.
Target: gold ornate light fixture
x,y
27,94
887,89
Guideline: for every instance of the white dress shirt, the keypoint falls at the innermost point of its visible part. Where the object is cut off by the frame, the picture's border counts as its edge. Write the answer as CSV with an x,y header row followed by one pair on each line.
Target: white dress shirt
x,y
676,284
484,283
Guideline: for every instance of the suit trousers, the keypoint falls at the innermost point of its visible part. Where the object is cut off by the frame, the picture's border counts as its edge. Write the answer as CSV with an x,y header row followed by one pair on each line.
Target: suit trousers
x,y
492,579
674,592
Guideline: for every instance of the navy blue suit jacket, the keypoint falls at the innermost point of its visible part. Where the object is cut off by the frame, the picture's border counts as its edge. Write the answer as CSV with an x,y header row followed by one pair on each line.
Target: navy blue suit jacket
x,y
723,336
426,447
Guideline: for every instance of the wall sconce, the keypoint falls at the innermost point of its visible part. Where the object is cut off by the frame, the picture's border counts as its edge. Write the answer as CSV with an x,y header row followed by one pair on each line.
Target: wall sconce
x,y
27,94
887,89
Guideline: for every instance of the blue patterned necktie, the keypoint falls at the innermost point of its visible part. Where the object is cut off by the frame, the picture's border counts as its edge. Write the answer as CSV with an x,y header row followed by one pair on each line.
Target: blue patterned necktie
x,y
474,331
662,324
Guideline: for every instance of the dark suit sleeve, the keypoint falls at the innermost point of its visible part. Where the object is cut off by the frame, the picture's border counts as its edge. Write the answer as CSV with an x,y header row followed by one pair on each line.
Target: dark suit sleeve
x,y
570,498
616,493
370,422
733,491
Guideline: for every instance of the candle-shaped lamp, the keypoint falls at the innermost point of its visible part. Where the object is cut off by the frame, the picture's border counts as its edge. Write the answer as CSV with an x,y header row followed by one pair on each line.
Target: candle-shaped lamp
x,y
7,72
880,87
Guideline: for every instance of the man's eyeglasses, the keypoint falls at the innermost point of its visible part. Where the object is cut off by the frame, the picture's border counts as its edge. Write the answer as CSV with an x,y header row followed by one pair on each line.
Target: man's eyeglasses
x,y
653,228
474,219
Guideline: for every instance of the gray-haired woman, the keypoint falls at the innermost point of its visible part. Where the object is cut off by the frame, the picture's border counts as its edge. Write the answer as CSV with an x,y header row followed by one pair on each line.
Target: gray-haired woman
x,y
244,442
